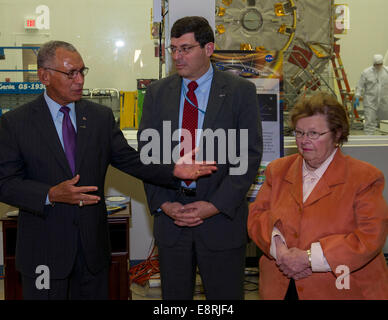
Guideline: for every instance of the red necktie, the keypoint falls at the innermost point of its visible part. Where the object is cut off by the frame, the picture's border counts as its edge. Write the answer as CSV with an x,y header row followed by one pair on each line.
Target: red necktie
x,y
189,121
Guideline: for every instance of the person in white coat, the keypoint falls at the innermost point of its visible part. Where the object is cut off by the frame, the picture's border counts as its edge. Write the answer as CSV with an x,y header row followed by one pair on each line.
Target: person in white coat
x,y
373,86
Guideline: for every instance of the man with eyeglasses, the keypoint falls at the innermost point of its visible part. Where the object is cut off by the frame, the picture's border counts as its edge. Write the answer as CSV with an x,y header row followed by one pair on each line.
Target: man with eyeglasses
x,y
55,152
204,223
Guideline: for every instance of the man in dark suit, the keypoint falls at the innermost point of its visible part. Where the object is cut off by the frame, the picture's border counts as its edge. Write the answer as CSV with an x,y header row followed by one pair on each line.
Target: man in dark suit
x,y
55,152
203,223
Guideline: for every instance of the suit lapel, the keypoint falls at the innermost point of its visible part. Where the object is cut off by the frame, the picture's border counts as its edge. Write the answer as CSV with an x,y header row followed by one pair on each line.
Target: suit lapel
x,y
83,131
334,175
321,190
44,124
295,180
171,110
216,97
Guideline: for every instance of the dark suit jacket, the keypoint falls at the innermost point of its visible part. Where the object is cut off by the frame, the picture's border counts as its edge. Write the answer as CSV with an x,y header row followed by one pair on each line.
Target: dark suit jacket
x,y
32,160
232,105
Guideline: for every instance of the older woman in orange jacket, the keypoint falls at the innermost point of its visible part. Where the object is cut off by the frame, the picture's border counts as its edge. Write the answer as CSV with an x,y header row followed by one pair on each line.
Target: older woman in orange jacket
x,y
320,217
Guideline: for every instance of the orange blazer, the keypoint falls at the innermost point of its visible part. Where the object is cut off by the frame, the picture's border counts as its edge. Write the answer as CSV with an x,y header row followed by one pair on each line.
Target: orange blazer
x,y
346,212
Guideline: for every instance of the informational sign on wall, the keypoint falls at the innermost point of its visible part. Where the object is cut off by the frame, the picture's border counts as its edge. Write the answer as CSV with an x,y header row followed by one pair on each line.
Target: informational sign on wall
x,y
263,69
21,87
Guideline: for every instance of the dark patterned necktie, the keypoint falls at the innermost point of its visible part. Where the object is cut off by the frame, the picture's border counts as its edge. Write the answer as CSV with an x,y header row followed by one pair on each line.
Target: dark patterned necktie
x,y
69,137
189,121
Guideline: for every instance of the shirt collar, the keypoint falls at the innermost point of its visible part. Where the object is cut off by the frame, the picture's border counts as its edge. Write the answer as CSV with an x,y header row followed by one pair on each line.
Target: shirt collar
x,y
208,75
55,106
322,168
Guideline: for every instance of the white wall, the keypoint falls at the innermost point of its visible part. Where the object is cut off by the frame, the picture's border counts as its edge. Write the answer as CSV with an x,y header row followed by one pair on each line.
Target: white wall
x,y
93,26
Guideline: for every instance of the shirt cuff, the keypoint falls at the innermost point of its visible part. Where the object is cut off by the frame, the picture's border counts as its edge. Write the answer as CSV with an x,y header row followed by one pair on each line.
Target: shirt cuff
x,y
318,259
157,211
272,250
48,203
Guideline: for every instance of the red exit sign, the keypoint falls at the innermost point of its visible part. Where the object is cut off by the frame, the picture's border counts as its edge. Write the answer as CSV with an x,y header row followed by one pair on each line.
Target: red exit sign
x,y
30,24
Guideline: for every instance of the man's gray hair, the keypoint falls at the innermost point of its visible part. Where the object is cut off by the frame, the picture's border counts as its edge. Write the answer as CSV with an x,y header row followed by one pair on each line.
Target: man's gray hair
x,y
46,52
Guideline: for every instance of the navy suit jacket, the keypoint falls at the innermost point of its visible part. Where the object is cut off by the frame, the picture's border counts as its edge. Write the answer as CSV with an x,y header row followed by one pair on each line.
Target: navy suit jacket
x,y
32,160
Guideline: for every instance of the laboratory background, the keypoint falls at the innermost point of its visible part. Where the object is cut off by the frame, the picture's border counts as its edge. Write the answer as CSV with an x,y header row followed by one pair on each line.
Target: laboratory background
x,y
301,46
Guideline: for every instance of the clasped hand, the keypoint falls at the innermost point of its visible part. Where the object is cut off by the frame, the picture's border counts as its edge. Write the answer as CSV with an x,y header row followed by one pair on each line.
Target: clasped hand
x,y
294,262
189,215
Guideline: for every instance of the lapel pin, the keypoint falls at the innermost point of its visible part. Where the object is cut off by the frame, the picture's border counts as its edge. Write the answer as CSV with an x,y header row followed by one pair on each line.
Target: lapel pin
x,y
222,95
84,118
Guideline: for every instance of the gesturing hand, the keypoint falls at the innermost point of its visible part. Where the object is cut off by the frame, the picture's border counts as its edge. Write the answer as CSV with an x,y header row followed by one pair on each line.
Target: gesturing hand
x,y
188,169
67,192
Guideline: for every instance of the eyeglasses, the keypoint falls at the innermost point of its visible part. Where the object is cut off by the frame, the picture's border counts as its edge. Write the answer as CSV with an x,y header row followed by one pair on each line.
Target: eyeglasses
x,y
183,50
74,73
313,135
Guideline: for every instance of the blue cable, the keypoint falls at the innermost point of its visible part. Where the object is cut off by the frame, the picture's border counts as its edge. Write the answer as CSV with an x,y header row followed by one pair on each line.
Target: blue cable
x,y
189,101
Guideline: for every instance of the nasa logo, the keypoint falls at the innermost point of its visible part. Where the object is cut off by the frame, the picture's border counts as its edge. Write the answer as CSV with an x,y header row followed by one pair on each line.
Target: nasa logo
x,y
269,58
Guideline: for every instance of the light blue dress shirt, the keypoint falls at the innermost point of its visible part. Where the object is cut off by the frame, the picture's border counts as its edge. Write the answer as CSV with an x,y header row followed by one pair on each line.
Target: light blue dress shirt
x,y
58,118
202,93
58,115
